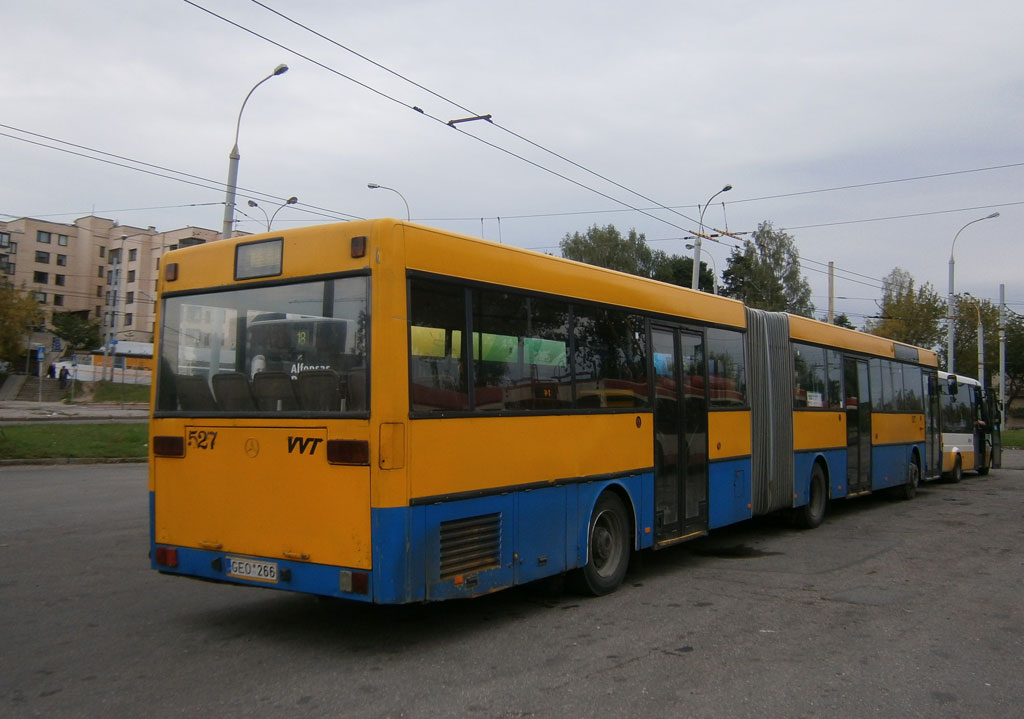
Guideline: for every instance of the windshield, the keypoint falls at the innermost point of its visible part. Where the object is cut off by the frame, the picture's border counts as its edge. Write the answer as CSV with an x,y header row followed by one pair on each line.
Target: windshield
x,y
299,347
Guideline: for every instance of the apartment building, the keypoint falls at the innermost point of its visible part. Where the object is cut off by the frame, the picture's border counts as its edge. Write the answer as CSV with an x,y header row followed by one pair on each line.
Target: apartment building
x,y
96,267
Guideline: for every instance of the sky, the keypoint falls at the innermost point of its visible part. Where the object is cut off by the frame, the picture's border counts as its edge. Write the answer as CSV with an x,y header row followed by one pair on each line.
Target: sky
x,y
871,132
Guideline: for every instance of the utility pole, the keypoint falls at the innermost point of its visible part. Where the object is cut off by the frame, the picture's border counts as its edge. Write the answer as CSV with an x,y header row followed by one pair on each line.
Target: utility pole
x,y
831,292
1002,355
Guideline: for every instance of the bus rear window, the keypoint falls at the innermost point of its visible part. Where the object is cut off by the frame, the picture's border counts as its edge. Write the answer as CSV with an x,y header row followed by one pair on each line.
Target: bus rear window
x,y
299,347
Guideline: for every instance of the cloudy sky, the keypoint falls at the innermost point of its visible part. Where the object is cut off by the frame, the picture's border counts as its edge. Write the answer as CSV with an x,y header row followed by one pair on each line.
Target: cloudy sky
x,y
871,131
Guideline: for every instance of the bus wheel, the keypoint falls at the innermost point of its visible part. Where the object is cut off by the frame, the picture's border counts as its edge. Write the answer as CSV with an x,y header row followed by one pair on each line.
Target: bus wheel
x,y
909,490
608,546
812,514
958,470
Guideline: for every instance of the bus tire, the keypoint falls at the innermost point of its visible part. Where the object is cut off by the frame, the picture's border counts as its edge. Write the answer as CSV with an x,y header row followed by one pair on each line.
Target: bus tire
x,y
909,489
608,548
958,470
812,514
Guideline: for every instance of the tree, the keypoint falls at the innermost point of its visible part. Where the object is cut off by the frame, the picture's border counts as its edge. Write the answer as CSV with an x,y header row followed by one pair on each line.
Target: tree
x,y
76,329
965,337
606,247
1014,357
908,315
765,273
18,313
841,320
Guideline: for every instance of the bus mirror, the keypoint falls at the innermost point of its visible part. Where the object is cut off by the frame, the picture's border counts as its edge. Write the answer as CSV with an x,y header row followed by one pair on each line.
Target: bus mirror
x,y
951,382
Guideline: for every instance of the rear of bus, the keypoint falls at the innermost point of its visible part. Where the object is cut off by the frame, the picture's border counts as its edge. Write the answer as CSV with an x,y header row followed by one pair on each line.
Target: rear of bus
x,y
260,429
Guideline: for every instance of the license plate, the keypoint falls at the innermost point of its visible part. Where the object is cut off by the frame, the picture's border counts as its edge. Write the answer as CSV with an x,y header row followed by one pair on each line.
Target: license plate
x,y
252,569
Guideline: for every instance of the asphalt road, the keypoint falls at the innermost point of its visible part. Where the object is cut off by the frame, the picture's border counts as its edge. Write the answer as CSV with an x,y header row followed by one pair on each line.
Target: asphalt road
x,y
910,609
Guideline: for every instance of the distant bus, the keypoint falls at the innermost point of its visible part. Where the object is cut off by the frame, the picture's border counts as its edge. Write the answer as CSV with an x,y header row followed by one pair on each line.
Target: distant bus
x,y
969,427
390,413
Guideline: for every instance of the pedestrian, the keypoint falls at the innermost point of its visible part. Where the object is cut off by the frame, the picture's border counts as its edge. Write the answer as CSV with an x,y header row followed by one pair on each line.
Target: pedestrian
x,y
64,374
51,372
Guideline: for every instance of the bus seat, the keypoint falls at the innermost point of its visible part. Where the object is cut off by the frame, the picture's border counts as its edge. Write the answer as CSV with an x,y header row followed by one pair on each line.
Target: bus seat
x,y
194,393
357,390
232,391
319,390
273,392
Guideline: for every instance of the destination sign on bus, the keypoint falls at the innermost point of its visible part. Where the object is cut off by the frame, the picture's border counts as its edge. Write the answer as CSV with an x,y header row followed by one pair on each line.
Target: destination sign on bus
x,y
258,259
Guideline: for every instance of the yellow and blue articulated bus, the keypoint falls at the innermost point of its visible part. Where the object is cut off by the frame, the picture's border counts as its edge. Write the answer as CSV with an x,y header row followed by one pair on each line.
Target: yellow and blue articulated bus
x,y
389,413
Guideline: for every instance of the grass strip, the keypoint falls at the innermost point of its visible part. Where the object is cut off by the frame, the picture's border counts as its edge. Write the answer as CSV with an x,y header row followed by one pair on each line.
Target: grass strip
x,y
43,440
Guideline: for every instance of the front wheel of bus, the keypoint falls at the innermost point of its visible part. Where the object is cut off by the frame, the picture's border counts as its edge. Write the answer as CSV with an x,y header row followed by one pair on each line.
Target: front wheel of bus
x,y
608,546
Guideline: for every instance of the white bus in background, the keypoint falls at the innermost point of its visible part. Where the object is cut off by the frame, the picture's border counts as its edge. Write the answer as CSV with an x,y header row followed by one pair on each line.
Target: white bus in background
x,y
969,427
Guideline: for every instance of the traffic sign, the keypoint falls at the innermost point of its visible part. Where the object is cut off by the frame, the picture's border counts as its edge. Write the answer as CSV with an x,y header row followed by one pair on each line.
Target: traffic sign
x,y
40,353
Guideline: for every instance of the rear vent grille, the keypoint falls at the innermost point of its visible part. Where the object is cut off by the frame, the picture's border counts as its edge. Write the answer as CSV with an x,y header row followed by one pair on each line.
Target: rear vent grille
x,y
470,545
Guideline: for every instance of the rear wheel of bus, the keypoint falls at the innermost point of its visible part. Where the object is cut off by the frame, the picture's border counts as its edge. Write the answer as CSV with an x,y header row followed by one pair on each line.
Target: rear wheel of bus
x,y
608,548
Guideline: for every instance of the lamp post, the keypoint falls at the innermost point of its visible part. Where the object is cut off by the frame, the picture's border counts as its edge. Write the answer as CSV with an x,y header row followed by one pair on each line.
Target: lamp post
x,y
375,186
714,266
270,220
981,341
949,297
696,244
229,199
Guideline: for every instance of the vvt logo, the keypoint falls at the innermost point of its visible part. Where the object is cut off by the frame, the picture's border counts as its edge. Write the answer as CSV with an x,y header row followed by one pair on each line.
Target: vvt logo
x,y
303,444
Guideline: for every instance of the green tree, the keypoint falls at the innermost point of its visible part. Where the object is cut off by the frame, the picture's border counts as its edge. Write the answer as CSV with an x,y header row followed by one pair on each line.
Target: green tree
x,y
76,329
841,320
765,273
1014,357
909,315
18,313
607,247
965,337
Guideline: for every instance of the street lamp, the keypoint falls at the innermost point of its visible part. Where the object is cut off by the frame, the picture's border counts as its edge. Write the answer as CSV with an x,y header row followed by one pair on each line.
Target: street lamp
x,y
229,199
375,186
270,220
696,243
949,297
714,265
981,341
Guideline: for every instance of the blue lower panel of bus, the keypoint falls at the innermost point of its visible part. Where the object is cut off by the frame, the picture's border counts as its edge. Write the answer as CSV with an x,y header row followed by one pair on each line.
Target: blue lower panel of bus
x,y
834,461
728,492
889,464
468,547
457,548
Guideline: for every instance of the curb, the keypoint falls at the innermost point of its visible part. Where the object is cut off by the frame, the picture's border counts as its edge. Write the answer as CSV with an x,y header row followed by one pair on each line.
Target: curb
x,y
71,460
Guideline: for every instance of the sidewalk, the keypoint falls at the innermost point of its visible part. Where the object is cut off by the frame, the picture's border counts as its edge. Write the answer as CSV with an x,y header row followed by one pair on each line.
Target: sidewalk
x,y
15,412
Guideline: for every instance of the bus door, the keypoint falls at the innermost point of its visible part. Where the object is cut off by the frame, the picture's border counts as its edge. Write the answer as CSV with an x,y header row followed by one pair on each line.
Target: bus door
x,y
858,425
680,434
933,435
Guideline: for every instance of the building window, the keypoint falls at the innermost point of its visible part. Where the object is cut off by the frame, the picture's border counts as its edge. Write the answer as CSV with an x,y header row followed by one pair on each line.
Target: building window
x,y
133,255
42,257
58,300
129,298
5,239
131,275
103,251
127,319
11,247
99,290
62,260
99,271
99,311
62,240
41,277
58,280
43,237
6,266
39,297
